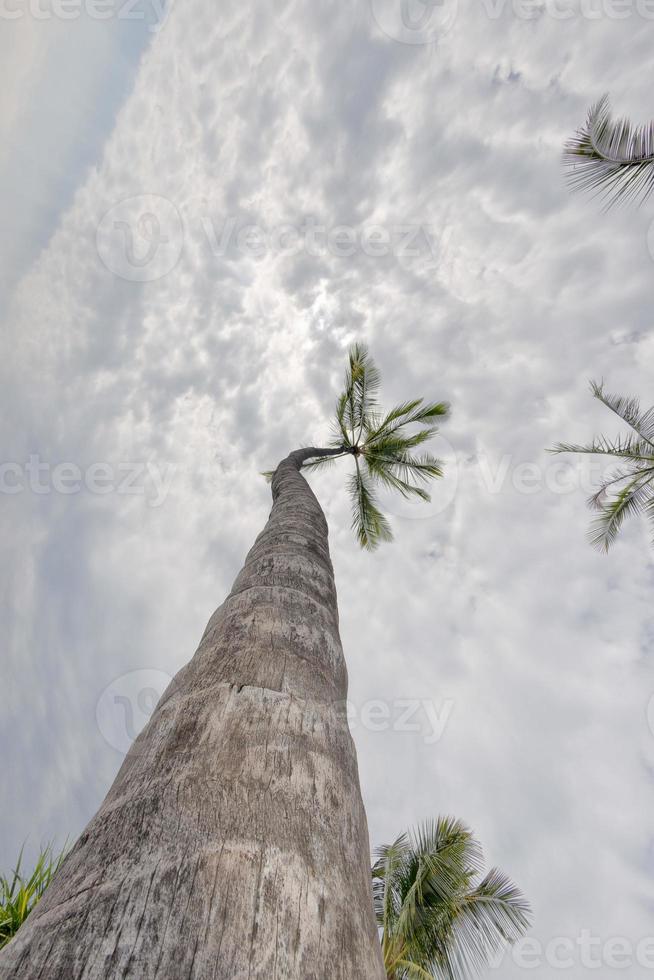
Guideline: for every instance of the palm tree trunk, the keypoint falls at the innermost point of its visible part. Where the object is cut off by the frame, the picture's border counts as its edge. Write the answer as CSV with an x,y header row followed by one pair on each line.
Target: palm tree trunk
x,y
233,843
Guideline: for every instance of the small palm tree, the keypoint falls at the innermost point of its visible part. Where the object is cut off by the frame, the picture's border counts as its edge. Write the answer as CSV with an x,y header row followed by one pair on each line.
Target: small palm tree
x,y
381,446
19,893
437,920
611,158
629,489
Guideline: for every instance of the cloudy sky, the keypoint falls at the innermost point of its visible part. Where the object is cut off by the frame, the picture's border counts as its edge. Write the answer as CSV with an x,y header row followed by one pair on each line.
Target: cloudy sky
x,y
202,209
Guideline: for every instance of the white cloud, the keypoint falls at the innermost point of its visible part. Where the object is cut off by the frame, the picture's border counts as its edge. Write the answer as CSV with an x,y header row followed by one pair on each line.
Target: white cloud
x,y
310,111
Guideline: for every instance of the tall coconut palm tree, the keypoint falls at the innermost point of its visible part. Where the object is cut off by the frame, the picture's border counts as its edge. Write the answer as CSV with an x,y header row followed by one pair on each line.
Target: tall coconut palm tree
x,y
438,920
629,489
611,158
233,843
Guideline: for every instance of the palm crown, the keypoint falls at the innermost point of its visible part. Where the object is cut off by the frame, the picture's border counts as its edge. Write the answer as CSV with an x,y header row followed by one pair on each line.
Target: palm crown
x,y
382,448
629,489
611,158
437,920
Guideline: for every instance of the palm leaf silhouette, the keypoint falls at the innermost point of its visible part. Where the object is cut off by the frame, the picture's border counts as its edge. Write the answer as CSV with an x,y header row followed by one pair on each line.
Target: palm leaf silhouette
x,y
611,158
629,489
383,446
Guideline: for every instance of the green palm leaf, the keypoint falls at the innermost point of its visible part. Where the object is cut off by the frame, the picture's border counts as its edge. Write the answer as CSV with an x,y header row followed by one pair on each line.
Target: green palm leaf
x,y
493,915
368,522
611,158
382,445
625,448
628,409
362,382
408,413
629,501
629,489
437,919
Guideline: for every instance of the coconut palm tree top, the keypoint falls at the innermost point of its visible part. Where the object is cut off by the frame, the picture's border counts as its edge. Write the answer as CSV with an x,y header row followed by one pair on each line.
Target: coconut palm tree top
x,y
438,917
629,489
382,446
611,158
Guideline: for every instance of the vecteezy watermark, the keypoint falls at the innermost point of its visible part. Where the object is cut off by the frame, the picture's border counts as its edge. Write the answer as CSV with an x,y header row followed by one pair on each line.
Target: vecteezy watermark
x,y
425,21
415,21
141,238
555,475
585,950
126,705
152,12
410,716
38,476
568,9
493,476
314,238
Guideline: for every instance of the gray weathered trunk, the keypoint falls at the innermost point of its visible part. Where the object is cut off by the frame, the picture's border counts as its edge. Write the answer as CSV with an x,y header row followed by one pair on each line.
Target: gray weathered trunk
x,y
233,842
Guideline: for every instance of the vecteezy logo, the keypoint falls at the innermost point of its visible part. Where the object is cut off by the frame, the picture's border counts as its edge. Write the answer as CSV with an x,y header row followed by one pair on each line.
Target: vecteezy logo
x,y
125,705
140,239
415,21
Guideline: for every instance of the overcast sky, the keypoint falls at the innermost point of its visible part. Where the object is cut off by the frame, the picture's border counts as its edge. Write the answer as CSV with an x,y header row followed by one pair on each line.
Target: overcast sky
x,y
201,211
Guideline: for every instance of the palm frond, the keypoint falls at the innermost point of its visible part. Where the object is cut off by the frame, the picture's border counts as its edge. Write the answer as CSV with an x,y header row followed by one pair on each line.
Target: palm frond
x,y
649,513
380,469
450,839
397,443
630,500
610,483
411,971
425,467
321,462
443,861
408,413
378,422
386,874
615,503
628,409
611,158
499,907
368,522
440,921
492,916
625,448
362,382
367,381
421,468
340,430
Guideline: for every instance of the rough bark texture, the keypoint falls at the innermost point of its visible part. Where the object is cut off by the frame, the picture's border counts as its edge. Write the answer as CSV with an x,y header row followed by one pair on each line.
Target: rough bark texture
x,y
233,843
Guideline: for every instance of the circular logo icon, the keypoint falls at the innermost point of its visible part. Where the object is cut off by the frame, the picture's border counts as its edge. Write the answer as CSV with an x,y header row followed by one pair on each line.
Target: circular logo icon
x,y
650,714
415,21
442,491
650,239
141,238
125,705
